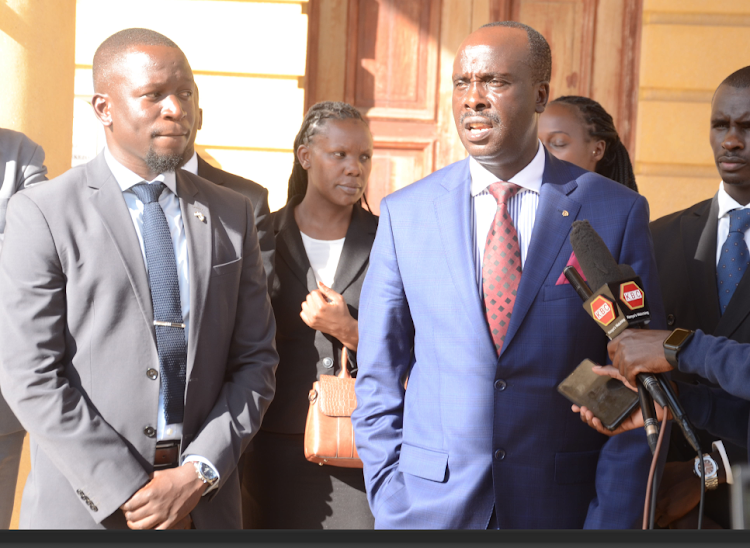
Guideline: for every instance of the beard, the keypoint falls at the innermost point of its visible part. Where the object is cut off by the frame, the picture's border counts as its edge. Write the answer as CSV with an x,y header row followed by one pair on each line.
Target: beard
x,y
161,163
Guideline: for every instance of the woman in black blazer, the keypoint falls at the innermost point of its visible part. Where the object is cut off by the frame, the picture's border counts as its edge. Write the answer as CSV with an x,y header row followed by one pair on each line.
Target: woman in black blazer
x,y
282,490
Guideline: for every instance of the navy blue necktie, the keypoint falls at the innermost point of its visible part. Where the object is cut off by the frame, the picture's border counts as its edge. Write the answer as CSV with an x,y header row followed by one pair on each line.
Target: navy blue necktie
x,y
165,296
734,257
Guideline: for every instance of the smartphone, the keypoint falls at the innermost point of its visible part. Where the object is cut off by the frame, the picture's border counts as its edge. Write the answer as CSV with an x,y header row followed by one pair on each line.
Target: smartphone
x,y
609,399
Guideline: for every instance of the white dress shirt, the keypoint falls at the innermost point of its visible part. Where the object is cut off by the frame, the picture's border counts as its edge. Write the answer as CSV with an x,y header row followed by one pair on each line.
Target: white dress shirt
x,y
521,207
170,204
192,164
726,204
324,256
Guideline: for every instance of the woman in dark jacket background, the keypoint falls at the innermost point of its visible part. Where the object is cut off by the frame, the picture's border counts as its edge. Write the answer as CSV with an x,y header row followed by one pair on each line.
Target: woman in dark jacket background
x,y
323,242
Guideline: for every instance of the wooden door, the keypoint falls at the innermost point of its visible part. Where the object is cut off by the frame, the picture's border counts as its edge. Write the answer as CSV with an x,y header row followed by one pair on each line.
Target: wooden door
x,y
393,60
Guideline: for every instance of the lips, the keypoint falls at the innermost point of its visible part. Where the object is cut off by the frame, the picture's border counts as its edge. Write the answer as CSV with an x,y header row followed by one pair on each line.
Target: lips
x,y
477,128
349,189
730,163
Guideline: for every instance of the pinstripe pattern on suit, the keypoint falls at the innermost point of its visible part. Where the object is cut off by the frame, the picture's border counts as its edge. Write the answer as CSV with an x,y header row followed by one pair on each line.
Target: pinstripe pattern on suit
x,y
473,430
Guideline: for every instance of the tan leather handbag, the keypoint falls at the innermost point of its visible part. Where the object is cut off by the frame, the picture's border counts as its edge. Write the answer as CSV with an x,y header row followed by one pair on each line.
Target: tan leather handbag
x,y
329,436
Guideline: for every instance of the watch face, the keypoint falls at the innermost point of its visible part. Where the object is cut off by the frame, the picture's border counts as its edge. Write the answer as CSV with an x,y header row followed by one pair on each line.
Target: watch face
x,y
677,337
207,472
708,464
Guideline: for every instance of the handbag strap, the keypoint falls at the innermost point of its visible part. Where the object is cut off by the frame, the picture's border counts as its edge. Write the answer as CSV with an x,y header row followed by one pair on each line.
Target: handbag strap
x,y
344,373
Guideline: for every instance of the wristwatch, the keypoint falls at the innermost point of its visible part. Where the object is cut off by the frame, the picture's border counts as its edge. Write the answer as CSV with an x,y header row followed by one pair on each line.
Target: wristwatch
x,y
205,473
674,343
712,471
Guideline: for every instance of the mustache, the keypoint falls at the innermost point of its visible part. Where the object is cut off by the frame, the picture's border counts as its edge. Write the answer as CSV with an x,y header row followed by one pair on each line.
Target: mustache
x,y
730,158
488,115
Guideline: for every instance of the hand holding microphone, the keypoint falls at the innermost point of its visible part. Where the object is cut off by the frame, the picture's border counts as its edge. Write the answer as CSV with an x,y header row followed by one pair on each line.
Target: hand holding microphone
x,y
635,352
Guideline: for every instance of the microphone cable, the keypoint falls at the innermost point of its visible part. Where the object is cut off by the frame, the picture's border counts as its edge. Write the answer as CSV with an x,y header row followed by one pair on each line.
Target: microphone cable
x,y
649,505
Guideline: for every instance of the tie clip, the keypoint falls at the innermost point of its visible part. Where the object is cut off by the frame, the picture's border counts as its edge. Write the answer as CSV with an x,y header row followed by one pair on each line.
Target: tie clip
x,y
169,324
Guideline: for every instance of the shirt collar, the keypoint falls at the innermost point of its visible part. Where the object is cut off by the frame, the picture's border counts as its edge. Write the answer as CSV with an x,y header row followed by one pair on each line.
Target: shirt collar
x,y
192,164
529,178
726,202
128,179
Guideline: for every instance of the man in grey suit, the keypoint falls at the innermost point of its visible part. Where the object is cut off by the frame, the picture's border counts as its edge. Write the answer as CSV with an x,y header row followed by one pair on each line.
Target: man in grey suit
x,y
21,166
136,333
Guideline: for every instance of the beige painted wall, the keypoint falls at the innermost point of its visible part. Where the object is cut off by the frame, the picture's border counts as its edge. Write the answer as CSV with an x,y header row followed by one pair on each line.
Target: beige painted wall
x,y
688,47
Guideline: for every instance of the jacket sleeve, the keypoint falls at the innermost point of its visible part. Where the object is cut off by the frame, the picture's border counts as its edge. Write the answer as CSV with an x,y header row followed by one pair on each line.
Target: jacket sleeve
x,y
624,461
31,168
34,354
386,338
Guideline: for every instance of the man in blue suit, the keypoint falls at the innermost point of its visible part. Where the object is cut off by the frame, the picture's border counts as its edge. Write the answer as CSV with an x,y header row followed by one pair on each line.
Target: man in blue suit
x,y
481,438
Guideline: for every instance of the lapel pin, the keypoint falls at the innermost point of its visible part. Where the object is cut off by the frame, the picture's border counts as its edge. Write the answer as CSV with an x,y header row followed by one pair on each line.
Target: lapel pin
x,y
565,213
201,217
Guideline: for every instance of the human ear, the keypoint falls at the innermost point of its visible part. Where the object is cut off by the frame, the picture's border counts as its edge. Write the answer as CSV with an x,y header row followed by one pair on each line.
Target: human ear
x,y
598,152
303,155
101,104
542,96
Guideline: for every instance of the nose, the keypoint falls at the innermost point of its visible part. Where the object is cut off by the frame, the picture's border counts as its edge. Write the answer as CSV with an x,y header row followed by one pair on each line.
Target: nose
x,y
172,108
353,167
475,98
732,139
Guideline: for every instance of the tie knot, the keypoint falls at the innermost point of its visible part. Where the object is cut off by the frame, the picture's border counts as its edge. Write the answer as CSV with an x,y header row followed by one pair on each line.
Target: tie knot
x,y
739,220
148,193
503,191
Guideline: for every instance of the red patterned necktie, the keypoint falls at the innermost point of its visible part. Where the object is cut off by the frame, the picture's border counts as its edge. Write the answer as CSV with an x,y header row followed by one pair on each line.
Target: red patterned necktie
x,y
501,267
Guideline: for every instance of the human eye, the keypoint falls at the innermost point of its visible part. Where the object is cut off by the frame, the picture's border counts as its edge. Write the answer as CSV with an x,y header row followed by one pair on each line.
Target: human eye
x,y
366,157
460,83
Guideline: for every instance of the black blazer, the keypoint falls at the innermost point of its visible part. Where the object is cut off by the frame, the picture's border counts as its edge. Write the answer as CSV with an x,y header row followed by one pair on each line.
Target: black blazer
x,y
305,354
685,248
258,196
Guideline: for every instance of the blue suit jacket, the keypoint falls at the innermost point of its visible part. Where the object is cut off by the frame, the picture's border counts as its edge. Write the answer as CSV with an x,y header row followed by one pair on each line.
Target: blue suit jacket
x,y
473,430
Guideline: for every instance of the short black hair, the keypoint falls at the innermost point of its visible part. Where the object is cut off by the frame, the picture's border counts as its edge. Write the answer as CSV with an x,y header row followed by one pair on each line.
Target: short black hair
x,y
540,56
113,48
738,79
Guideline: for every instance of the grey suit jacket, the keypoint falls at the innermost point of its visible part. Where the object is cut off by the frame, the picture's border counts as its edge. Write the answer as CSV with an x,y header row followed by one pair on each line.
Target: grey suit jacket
x,y
258,195
76,339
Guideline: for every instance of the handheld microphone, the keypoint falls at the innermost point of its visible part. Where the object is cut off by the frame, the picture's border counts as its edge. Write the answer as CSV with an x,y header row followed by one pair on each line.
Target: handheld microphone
x,y
595,256
601,269
646,401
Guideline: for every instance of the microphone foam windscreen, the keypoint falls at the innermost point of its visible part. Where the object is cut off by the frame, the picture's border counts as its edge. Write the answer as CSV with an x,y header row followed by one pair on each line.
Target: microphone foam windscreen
x,y
597,263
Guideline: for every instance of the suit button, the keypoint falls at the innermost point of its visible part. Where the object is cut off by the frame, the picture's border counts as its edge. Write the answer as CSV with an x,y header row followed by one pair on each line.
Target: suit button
x,y
152,374
327,363
94,508
500,454
500,384
150,431
670,319
79,493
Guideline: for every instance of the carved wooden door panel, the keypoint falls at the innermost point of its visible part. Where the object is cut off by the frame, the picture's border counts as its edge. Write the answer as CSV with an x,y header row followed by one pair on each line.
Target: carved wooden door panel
x,y
393,60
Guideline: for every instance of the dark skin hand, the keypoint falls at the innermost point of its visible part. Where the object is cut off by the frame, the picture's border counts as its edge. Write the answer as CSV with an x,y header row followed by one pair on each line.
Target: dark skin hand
x,y
637,351
635,420
166,501
326,311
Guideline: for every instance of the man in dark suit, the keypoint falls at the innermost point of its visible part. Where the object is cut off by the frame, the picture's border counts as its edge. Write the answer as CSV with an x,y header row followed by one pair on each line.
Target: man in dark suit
x,y
688,248
21,166
257,194
136,333
480,437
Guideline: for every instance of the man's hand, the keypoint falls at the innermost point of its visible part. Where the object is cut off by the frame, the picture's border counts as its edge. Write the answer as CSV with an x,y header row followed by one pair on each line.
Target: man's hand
x,y
635,420
326,311
165,501
680,492
637,351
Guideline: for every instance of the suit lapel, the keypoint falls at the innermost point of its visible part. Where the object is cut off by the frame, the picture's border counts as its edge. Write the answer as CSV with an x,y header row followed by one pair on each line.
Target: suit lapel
x,y
200,252
290,248
108,202
700,259
356,252
551,229
455,220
